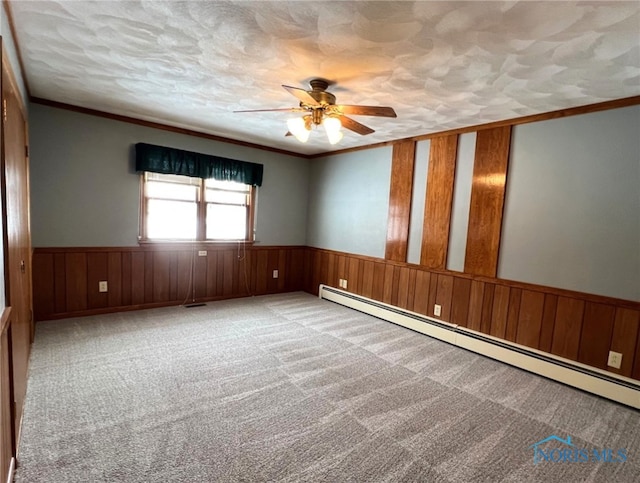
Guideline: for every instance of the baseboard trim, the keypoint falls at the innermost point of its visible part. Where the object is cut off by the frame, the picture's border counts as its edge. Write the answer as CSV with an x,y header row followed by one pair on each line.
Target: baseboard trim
x,y
611,386
12,469
148,305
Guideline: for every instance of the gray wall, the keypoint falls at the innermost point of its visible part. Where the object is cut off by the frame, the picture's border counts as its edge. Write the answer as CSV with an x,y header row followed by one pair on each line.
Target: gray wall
x,y
572,209
418,196
84,191
461,202
349,201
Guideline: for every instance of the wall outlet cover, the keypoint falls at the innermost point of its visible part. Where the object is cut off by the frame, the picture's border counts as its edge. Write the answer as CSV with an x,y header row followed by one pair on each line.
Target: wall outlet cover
x,y
437,310
615,360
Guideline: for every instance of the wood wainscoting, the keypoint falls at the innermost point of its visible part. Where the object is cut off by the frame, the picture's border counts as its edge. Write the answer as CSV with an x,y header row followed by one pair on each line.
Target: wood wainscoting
x,y
66,280
577,326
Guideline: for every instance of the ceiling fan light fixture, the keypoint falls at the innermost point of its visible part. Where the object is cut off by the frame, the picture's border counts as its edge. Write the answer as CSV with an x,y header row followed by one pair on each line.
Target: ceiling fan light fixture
x,y
300,127
332,126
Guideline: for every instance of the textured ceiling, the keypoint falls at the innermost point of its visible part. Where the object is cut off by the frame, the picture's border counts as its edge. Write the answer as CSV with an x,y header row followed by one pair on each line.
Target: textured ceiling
x,y
441,65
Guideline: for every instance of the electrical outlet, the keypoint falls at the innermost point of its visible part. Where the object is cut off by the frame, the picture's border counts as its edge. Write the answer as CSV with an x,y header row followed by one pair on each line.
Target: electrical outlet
x,y
202,253
615,360
275,274
103,286
437,310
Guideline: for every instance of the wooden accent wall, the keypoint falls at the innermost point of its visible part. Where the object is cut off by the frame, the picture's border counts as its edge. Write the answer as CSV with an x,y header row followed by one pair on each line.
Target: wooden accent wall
x,y
66,279
574,325
402,165
438,201
487,201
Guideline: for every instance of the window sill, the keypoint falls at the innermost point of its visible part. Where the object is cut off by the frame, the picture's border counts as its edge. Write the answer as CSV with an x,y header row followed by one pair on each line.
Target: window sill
x,y
195,243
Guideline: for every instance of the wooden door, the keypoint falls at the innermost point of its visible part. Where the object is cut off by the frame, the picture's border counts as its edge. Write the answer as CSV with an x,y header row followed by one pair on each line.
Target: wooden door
x,y
7,446
18,237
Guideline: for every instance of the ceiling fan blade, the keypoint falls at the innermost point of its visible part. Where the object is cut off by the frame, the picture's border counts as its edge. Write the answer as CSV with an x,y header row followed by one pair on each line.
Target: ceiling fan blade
x,y
302,95
380,111
286,109
355,126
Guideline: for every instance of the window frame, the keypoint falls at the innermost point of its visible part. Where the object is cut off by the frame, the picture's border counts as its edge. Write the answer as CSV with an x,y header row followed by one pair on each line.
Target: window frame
x,y
201,213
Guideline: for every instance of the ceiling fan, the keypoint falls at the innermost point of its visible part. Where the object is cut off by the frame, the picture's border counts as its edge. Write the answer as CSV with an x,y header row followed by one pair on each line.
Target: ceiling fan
x,y
320,108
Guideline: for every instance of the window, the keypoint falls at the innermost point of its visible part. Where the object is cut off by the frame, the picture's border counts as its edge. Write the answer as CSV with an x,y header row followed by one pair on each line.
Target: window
x,y
181,208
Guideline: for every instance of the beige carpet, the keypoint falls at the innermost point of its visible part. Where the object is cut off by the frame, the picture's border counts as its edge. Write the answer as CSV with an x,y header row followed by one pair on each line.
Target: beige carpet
x,y
292,388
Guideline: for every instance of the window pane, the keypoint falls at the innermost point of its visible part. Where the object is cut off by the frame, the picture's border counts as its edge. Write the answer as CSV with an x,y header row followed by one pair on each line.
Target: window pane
x,y
171,220
226,222
171,191
230,197
173,178
226,185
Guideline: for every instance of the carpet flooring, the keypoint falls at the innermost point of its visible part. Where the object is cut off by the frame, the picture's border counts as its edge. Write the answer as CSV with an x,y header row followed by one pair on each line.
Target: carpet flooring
x,y
291,388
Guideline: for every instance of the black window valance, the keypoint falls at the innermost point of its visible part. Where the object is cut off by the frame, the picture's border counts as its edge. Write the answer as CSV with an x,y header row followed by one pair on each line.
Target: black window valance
x,y
160,159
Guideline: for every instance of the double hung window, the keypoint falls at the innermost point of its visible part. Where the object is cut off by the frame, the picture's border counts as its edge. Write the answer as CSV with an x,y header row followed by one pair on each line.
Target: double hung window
x,y
183,208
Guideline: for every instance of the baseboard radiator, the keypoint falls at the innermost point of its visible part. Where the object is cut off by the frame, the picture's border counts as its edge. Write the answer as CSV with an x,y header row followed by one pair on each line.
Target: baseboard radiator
x,y
590,379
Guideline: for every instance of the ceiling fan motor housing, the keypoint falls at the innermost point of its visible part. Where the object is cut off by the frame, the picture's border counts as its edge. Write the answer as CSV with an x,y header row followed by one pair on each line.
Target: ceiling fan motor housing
x,y
319,93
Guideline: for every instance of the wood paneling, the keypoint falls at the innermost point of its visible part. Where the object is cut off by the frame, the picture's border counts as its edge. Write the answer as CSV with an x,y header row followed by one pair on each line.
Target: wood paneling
x,y
377,292
487,308
151,276
548,322
403,287
421,298
43,286
127,290
115,279
533,316
400,194
568,327
475,305
487,201
412,289
500,311
96,272
460,301
624,339
444,295
60,282
597,329
433,293
543,318
352,274
530,318
367,278
438,201
513,314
